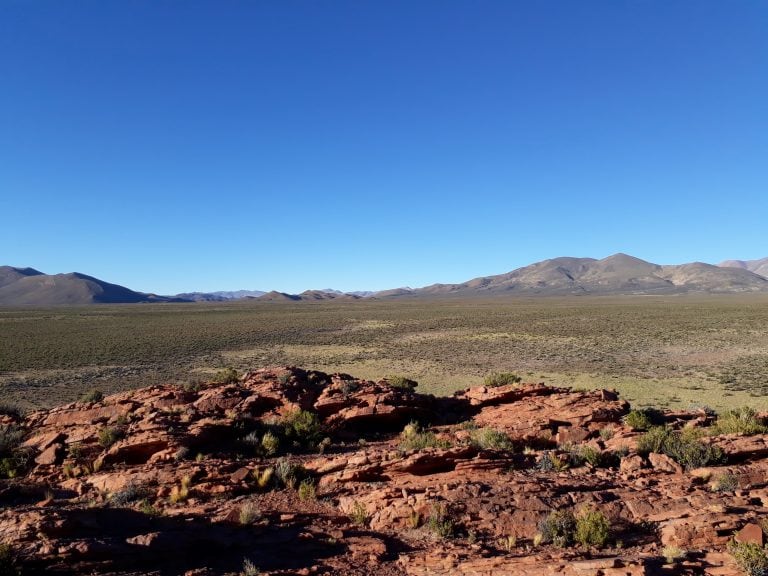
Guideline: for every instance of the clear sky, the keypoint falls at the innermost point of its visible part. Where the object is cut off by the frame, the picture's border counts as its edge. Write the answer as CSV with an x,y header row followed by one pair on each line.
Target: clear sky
x,y
184,145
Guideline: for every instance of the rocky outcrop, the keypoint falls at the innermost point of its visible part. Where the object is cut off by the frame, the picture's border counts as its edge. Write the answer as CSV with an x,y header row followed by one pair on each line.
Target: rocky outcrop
x,y
167,480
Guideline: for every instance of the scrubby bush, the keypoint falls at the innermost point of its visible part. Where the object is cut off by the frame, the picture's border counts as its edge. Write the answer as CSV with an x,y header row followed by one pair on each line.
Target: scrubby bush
x,y
439,521
226,376
358,514
643,419
131,492
501,379
592,528
302,429
401,382
742,421
559,528
92,396
414,438
13,457
110,435
288,473
490,439
725,483
579,454
11,410
682,446
563,528
751,558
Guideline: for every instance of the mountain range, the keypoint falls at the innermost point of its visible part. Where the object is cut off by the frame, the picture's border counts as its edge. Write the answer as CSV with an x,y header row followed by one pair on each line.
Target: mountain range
x,y
615,275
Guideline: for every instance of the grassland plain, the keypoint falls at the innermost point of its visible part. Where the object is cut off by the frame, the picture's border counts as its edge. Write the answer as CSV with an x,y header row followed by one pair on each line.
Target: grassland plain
x,y
677,351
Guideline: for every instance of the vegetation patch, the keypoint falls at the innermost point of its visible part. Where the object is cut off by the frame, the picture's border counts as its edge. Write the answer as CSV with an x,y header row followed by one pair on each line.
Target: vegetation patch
x,y
684,447
413,437
501,379
742,421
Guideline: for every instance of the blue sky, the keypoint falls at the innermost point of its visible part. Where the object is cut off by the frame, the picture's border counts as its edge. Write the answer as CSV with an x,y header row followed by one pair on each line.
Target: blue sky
x,y
173,146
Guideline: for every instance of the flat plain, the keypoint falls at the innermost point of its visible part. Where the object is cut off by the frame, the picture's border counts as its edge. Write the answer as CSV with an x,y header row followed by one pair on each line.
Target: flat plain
x,y
673,352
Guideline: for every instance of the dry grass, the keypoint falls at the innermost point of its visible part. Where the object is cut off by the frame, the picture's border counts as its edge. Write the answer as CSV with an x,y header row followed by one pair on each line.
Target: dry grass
x,y
672,351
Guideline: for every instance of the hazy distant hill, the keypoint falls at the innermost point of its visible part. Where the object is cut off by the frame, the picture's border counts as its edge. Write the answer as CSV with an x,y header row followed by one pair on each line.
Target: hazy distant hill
x,y
614,275
617,274
757,266
29,287
222,296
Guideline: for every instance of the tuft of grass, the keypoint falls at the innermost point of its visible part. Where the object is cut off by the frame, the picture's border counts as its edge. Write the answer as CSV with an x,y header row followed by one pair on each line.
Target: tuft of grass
x,y
146,507
249,514
414,438
607,433
249,568
358,514
673,554
439,521
490,439
180,493
92,396
508,543
751,558
264,477
495,379
307,490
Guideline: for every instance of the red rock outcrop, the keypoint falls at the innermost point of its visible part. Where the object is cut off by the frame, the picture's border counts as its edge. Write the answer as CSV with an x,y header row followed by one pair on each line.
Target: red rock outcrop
x,y
167,480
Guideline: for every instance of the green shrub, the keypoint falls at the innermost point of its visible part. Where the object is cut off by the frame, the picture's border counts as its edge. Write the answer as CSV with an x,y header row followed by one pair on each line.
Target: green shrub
x,y
501,379
725,483
559,528
683,447
592,528
414,438
579,454
751,558
226,376
490,439
742,421
643,419
108,436
92,396
401,382
302,429
439,521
